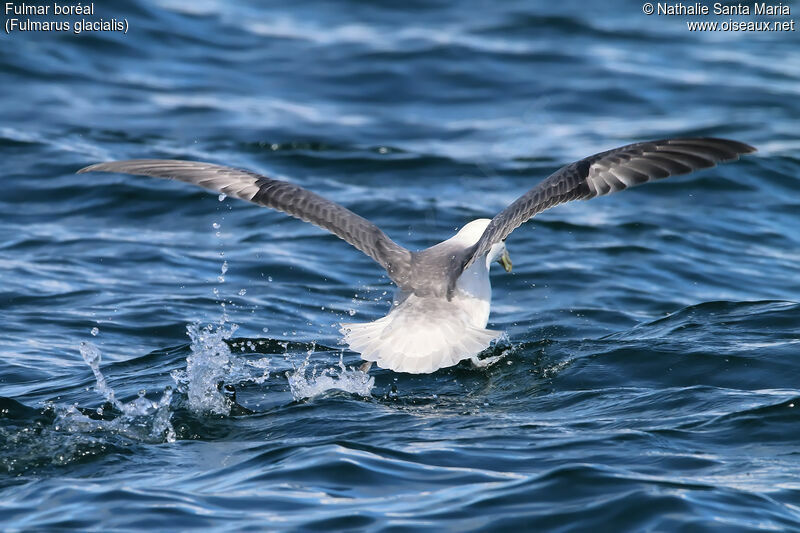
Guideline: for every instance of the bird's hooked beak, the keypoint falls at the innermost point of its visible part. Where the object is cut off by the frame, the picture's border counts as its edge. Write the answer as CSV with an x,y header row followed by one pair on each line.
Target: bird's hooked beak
x,y
505,260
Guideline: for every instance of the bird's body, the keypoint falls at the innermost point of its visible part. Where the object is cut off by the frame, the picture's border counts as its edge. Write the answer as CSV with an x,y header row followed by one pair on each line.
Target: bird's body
x,y
422,333
441,308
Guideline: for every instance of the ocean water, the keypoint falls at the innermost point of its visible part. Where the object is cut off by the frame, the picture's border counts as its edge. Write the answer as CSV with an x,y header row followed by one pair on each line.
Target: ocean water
x,y
171,361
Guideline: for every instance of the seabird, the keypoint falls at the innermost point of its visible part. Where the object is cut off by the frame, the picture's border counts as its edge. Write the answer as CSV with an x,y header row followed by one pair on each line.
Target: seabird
x,y
441,306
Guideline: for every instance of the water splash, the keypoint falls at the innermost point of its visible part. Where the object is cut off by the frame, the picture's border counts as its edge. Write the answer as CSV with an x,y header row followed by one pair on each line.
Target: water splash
x,y
211,363
501,349
140,418
206,366
91,355
141,406
210,366
347,379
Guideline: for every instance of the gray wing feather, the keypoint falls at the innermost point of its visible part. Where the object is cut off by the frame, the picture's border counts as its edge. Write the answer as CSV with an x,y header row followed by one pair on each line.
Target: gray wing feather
x,y
606,173
281,195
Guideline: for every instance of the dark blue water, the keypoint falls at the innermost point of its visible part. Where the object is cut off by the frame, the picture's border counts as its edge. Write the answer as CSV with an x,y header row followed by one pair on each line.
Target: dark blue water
x,y
650,376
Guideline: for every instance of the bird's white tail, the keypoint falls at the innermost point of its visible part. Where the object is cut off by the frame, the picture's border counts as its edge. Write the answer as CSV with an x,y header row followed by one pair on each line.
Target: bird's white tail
x,y
415,340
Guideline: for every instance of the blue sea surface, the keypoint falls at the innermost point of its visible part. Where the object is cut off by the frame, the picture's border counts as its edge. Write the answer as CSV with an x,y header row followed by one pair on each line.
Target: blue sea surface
x,y
170,360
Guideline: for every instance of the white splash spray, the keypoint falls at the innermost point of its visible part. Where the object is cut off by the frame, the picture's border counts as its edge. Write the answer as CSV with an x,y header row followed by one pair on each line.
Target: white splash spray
x,y
209,365
141,418
342,378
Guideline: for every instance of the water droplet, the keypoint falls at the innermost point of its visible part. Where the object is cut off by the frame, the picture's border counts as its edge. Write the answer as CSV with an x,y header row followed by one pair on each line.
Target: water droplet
x,y
222,197
265,330
351,312
90,354
269,279
215,225
95,331
242,292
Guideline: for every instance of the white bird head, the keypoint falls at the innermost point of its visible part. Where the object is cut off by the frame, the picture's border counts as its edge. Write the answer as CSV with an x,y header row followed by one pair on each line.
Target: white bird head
x,y
471,233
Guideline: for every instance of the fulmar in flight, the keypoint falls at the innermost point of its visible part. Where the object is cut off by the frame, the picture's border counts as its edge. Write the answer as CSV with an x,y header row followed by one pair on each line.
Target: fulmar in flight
x,y
442,303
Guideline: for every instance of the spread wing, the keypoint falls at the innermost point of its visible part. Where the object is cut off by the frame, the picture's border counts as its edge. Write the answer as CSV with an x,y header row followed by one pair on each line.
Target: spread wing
x,y
606,173
283,196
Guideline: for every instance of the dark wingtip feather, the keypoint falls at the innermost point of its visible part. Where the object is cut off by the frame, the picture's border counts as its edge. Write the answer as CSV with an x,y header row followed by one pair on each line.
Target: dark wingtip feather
x,y
132,166
738,147
742,148
111,166
746,148
90,168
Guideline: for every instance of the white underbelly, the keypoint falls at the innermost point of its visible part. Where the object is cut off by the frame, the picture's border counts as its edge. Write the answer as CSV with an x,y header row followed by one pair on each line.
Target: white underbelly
x,y
476,309
421,335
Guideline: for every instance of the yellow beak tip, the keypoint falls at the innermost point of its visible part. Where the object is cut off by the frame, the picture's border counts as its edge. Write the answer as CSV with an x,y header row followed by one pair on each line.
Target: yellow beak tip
x,y
505,260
